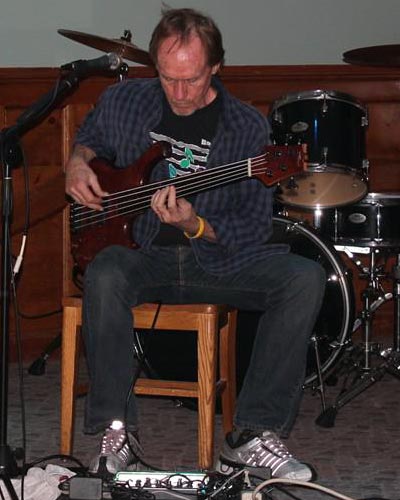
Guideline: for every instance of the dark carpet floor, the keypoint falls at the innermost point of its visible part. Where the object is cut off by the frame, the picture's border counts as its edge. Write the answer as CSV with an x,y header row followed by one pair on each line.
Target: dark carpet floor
x,y
358,457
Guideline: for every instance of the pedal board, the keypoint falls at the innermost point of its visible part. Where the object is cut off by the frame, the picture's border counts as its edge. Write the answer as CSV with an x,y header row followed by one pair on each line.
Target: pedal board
x,y
160,483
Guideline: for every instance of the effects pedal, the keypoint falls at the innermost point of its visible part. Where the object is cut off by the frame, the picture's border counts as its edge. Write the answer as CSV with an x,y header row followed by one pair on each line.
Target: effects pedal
x,y
160,481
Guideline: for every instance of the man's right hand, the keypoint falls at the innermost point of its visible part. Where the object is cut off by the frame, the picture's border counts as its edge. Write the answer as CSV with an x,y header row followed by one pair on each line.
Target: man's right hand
x,y
81,182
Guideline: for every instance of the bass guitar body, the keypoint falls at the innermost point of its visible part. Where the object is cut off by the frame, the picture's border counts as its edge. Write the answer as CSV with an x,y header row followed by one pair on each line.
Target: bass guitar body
x,y
92,231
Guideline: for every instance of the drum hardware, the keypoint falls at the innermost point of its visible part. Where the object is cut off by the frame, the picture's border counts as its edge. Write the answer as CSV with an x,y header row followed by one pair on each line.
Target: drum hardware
x,y
374,306
123,71
292,184
320,388
358,359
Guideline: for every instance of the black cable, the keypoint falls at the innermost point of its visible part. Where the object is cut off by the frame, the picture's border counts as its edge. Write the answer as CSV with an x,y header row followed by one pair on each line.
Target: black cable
x,y
17,323
27,191
135,376
20,369
40,315
71,458
27,227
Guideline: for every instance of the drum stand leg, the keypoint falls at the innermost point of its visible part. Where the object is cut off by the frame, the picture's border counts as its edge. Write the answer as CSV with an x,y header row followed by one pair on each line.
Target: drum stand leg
x,y
366,374
321,383
392,356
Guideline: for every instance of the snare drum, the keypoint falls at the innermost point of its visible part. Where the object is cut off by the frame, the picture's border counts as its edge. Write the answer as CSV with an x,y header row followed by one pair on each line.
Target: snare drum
x,y
372,222
333,126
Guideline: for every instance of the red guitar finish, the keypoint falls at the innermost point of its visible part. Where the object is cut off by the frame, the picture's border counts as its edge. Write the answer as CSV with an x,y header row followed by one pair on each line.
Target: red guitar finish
x,y
93,230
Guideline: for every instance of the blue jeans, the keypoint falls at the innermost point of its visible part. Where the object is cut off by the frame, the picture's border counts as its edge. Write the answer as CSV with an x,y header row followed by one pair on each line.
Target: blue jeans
x,y
288,289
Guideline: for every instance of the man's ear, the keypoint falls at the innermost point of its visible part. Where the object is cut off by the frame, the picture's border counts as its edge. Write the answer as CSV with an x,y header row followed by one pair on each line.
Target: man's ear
x,y
215,69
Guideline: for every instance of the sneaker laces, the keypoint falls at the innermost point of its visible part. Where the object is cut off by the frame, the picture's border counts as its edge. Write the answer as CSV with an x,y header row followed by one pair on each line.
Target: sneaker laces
x,y
272,444
118,442
268,451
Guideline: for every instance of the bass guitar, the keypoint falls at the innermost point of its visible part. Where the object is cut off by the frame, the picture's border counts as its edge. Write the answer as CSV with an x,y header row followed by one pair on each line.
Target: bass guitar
x,y
131,192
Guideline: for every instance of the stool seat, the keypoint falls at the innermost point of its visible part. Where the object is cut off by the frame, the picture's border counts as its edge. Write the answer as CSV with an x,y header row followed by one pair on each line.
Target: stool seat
x,y
216,352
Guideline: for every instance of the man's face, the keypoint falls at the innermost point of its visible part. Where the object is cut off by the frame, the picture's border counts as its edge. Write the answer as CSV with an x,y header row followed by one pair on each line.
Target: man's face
x,y
185,74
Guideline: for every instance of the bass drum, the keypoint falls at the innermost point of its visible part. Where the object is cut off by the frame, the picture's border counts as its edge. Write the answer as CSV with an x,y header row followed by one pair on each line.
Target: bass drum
x,y
173,355
336,318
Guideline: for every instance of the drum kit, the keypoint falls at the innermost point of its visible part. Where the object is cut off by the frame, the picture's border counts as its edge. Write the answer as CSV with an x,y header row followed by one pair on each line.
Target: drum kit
x,y
347,219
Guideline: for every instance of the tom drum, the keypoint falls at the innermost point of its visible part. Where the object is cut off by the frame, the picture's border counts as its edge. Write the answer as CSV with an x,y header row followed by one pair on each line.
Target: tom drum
x,y
372,222
332,125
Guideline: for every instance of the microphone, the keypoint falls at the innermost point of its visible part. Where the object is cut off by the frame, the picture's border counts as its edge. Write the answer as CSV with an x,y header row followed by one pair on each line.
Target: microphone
x,y
110,61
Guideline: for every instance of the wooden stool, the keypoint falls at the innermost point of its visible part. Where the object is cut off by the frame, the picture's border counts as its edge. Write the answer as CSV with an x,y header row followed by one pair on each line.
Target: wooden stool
x,y
212,323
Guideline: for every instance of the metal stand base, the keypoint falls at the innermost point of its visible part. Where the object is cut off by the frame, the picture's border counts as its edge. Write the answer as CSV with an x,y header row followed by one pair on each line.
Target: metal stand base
x,y
367,363
8,469
362,381
38,367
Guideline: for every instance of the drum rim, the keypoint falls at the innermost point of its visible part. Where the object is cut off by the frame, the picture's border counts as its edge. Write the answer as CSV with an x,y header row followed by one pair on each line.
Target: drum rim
x,y
379,197
345,286
317,94
286,200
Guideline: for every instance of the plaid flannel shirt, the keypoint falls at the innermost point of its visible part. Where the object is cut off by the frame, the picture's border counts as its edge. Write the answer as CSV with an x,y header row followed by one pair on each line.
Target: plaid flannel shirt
x,y
240,213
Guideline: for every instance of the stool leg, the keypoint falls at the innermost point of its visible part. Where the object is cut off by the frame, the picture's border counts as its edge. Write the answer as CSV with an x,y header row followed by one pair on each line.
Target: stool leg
x,y
207,370
69,351
227,363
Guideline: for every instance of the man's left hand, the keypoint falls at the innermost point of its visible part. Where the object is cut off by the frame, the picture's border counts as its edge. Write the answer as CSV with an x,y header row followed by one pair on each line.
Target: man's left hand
x,y
175,211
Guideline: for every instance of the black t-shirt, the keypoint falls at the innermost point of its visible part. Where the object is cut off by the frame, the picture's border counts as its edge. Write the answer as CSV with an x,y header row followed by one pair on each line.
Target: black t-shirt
x,y
190,137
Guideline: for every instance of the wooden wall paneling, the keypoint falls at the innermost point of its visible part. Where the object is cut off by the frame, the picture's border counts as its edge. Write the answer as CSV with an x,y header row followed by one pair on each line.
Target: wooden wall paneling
x,y
38,286
48,144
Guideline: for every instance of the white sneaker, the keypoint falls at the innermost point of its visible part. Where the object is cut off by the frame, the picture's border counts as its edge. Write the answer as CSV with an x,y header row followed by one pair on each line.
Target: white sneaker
x,y
264,451
116,452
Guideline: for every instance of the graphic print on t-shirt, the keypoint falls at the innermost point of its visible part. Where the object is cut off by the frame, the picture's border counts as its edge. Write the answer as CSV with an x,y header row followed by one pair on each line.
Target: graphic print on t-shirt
x,y
185,157
191,139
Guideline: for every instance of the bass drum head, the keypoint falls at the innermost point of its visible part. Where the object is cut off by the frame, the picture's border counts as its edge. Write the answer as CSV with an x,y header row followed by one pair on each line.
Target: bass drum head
x,y
336,317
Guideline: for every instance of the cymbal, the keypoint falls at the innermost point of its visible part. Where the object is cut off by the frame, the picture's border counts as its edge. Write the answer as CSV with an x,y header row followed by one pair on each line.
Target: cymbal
x,y
377,55
121,46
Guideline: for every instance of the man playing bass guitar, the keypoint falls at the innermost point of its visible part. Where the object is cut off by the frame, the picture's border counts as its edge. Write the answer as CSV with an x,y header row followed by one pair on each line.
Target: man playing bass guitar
x,y
210,245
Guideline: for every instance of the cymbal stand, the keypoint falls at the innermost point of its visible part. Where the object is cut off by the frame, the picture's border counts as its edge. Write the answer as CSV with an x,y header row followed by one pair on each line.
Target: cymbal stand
x,y
365,373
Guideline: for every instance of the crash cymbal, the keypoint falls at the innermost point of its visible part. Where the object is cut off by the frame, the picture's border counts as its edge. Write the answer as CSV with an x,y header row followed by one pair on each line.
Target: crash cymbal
x,y
121,46
377,55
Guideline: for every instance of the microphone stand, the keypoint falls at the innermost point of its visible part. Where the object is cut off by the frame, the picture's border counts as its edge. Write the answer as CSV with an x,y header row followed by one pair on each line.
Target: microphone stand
x,y
10,157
